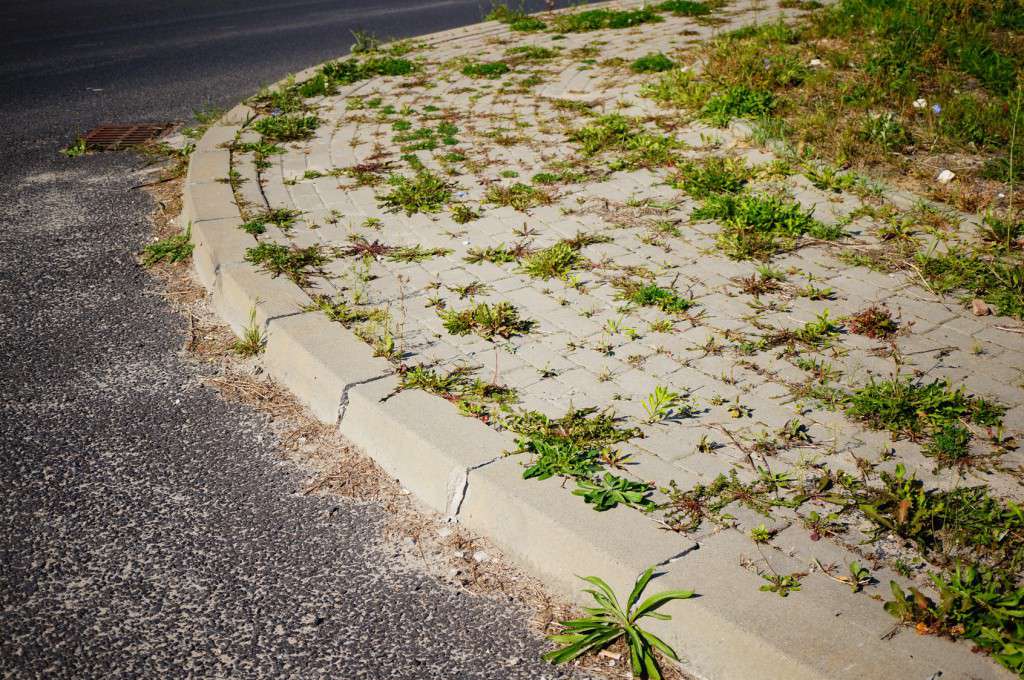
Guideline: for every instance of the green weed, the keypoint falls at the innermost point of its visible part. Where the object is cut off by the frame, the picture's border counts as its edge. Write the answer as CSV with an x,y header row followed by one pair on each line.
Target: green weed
x,y
287,126
282,218
597,19
607,491
685,8
996,281
713,175
423,193
636,146
978,604
75,149
759,226
491,70
500,320
652,63
295,263
253,340
652,295
908,408
175,248
552,263
519,196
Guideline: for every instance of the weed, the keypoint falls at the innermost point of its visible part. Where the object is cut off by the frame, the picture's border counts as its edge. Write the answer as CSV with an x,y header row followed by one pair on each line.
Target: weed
x,y
761,534
361,247
757,227
519,196
652,63
554,262
1003,234
738,101
546,178
607,491
580,428
560,458
282,218
531,53
908,408
527,25
491,70
950,446
685,510
253,340
713,175
515,18
875,322
287,126
780,584
416,253
175,248
999,283
295,263
473,397
609,621
500,254
823,525
364,42
663,404
685,8
344,313
423,193
981,605
75,149
488,321
829,177
597,19
348,71
637,147
812,292
470,290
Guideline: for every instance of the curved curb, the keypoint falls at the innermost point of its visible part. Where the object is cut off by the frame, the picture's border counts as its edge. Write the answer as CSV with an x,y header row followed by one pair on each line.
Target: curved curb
x,y
454,466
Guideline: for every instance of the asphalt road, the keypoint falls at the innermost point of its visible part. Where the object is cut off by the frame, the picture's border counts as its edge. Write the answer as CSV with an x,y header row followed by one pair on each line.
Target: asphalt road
x,y
148,529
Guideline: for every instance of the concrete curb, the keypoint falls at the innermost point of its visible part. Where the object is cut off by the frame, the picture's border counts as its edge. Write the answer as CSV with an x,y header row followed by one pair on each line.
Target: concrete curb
x,y
455,466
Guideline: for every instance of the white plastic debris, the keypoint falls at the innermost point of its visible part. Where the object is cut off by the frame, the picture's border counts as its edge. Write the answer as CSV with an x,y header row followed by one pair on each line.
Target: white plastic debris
x,y
815,63
921,103
946,176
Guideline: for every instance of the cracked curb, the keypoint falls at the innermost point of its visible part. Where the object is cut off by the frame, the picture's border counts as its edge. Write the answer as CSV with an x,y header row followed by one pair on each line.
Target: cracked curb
x,y
449,463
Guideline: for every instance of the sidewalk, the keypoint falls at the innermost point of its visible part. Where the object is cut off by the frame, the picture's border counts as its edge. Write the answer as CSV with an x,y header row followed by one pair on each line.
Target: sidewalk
x,y
495,204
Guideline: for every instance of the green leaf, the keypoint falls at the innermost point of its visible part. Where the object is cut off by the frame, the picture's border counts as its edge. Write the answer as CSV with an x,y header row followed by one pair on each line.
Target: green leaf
x,y
638,588
594,641
655,601
659,644
606,589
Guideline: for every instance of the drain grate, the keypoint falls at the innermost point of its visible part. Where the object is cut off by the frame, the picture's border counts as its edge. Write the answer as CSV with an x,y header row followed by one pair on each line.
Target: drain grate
x,y
115,137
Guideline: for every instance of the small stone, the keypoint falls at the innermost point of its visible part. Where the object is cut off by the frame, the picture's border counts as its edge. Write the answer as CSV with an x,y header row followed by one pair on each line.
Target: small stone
x,y
481,556
403,491
980,308
946,176
920,103
815,63
444,532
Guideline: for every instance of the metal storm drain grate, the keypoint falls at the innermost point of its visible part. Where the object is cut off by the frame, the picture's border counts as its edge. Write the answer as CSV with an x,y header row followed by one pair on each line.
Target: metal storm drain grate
x,y
115,137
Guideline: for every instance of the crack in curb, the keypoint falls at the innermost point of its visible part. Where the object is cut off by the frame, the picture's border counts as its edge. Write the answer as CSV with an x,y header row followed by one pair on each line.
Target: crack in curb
x,y
343,401
458,486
